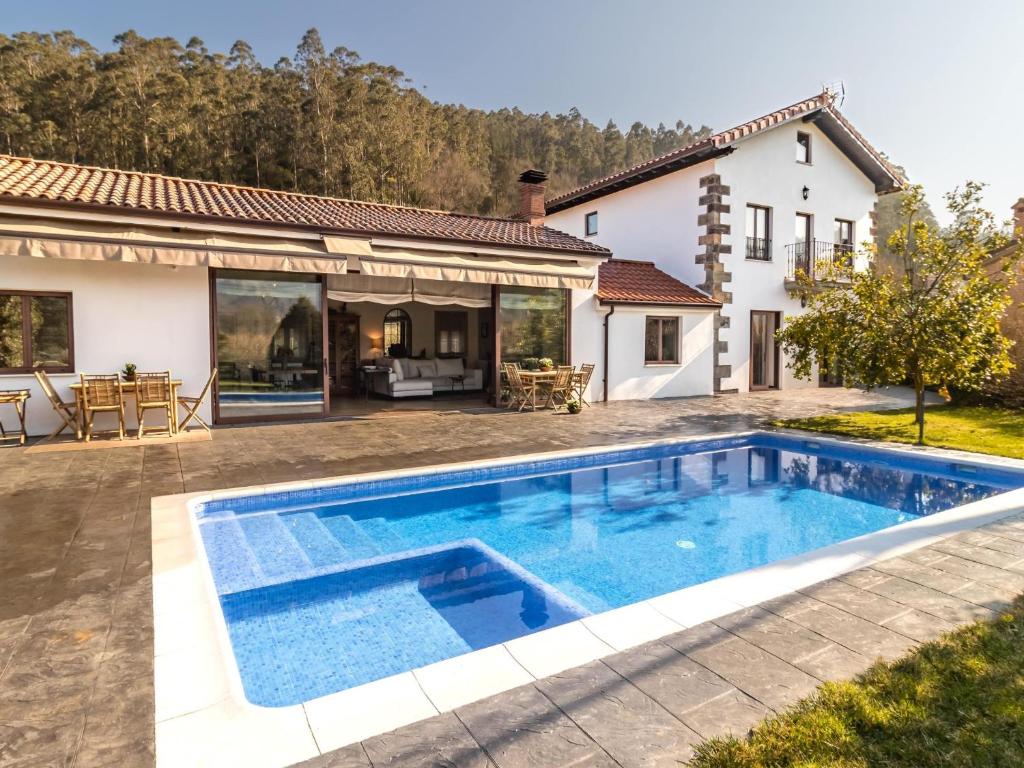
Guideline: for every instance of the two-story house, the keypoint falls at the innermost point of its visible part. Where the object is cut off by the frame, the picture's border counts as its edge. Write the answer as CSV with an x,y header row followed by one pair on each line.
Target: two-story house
x,y
737,214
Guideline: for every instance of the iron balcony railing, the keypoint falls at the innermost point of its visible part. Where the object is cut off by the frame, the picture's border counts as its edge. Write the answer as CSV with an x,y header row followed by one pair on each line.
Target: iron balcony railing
x,y
819,259
759,248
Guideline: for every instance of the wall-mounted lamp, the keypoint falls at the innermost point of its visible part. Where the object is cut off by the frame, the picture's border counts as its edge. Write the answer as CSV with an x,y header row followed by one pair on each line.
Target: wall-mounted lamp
x,y
806,191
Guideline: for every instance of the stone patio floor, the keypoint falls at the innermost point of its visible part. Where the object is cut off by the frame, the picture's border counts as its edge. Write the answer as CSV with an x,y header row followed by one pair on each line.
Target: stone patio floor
x,y
76,645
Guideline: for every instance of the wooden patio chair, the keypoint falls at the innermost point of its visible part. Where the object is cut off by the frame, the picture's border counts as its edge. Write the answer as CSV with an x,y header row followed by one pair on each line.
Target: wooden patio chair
x,y
581,380
17,398
520,393
559,391
191,405
66,411
153,393
102,394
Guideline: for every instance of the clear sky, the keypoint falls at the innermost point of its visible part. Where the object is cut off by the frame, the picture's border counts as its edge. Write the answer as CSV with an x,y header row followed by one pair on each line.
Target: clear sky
x,y
938,86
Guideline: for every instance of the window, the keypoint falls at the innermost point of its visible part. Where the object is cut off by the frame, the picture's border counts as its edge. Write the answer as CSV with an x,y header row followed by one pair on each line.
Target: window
x,y
35,332
533,322
803,148
844,233
590,224
661,340
450,329
397,332
759,244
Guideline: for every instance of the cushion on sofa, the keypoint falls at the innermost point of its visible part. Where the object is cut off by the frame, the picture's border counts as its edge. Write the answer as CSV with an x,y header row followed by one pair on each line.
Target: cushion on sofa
x,y
450,367
425,369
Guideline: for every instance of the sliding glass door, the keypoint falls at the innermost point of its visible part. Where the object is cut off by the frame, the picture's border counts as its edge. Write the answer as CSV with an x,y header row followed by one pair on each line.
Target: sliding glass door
x,y
269,345
534,322
764,350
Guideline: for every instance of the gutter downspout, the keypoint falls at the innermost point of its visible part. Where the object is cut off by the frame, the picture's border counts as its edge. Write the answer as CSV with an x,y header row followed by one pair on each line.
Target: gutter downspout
x,y
606,318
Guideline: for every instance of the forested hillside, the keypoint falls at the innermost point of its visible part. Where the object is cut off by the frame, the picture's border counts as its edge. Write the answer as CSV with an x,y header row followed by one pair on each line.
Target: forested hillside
x,y
324,122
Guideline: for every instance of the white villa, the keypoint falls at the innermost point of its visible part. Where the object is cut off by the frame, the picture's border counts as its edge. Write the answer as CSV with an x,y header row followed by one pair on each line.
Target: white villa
x,y
303,303
736,215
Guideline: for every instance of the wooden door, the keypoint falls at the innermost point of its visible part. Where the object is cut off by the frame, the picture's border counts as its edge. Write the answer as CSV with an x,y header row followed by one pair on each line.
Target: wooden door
x,y
344,354
764,350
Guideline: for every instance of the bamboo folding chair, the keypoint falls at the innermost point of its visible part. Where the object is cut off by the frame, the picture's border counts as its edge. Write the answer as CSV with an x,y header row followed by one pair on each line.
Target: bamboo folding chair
x,y
191,405
102,394
560,389
581,380
17,398
67,411
520,393
153,392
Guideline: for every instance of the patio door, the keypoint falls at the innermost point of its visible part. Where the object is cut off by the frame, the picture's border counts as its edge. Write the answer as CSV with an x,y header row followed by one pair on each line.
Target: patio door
x,y
269,330
764,350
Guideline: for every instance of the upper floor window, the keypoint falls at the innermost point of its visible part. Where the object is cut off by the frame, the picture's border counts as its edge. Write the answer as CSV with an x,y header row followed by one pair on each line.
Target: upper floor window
x,y
844,233
803,147
759,243
661,340
35,332
590,224
397,333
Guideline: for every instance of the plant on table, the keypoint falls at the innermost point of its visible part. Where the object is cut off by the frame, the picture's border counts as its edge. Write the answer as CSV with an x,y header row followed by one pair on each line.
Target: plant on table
x,y
531,363
128,374
546,363
933,319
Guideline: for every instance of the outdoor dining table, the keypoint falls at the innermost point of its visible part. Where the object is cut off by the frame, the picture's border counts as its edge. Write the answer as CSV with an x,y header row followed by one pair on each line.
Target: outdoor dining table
x,y
128,388
536,378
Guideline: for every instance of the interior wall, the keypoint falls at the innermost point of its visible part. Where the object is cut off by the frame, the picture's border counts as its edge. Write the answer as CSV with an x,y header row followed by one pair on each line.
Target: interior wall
x,y
371,326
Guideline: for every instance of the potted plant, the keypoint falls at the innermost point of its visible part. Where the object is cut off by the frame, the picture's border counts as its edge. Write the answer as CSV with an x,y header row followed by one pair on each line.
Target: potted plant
x,y
573,406
531,363
128,374
546,363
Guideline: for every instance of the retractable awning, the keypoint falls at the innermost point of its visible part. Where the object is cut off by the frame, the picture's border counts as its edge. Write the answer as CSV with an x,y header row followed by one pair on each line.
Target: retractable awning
x,y
398,290
20,236
474,268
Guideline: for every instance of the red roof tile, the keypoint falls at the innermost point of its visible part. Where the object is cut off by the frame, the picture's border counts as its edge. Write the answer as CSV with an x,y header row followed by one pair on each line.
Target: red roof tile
x,y
46,181
621,281
705,148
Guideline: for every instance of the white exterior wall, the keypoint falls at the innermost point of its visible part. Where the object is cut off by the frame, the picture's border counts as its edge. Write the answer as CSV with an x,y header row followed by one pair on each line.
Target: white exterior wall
x,y
657,221
157,317
763,171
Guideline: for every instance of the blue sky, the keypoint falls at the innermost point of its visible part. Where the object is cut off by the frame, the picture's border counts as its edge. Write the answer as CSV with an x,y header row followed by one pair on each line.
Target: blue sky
x,y
936,85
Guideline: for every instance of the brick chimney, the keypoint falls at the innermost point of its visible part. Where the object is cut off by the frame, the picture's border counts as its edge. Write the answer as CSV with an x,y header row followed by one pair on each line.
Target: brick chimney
x,y
531,197
1018,217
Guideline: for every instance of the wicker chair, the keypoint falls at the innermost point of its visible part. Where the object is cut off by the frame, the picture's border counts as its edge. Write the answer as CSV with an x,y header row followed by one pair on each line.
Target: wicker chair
x,y
67,411
520,393
153,392
581,380
102,394
560,389
191,404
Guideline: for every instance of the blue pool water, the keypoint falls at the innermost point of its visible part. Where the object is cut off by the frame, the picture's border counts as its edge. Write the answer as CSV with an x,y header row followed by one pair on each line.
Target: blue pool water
x,y
326,589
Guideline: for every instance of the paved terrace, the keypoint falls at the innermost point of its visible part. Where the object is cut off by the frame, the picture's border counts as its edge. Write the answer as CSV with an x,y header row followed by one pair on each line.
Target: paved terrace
x,y
76,635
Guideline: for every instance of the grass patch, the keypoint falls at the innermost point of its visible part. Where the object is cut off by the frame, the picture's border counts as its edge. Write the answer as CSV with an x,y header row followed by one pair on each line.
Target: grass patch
x,y
958,701
996,431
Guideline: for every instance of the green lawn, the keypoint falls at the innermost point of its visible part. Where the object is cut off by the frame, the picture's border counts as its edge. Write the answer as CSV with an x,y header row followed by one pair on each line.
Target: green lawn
x,y
983,430
958,701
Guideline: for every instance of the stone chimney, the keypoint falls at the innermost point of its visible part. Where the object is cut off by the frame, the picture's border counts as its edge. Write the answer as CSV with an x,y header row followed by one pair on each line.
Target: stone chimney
x,y
531,197
1018,217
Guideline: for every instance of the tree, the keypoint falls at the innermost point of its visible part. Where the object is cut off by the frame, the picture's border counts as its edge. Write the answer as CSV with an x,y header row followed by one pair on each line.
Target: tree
x,y
934,320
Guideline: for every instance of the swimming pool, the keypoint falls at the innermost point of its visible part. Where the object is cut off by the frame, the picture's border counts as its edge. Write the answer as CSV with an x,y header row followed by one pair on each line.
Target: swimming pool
x,y
327,588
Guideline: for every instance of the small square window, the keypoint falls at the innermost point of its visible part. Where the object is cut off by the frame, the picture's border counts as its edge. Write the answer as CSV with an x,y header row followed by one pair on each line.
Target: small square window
x,y
590,224
803,147
661,340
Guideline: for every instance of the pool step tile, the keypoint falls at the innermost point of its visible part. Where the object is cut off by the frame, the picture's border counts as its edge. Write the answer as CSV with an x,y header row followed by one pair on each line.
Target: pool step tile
x,y
380,531
233,562
315,539
352,537
276,550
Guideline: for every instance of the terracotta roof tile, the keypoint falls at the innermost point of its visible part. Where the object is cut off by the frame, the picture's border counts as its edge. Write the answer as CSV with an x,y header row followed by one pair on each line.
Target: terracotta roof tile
x,y
621,281
823,101
40,180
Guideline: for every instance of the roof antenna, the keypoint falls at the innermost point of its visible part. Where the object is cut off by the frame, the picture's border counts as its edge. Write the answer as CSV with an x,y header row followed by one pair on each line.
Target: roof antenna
x,y
837,90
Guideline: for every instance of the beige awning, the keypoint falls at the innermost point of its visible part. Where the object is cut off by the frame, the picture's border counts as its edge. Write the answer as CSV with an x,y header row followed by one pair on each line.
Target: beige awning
x,y
187,248
471,268
398,290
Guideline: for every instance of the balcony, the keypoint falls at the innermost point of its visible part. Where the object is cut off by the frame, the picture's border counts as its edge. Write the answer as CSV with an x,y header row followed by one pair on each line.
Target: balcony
x,y
820,260
759,249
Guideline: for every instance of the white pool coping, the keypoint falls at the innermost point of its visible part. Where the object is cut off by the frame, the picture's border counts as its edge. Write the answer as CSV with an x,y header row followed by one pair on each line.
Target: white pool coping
x,y
204,719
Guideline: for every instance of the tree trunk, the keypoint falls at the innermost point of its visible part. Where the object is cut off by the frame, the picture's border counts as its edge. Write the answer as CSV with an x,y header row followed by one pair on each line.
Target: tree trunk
x,y
919,409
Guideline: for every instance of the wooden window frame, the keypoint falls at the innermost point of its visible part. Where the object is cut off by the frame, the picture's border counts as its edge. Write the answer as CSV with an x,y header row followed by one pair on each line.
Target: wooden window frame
x,y
807,136
766,236
463,329
853,231
26,332
405,319
587,232
662,319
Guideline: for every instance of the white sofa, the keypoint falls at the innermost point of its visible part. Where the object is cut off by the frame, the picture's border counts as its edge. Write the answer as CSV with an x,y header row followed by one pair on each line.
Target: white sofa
x,y
410,377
